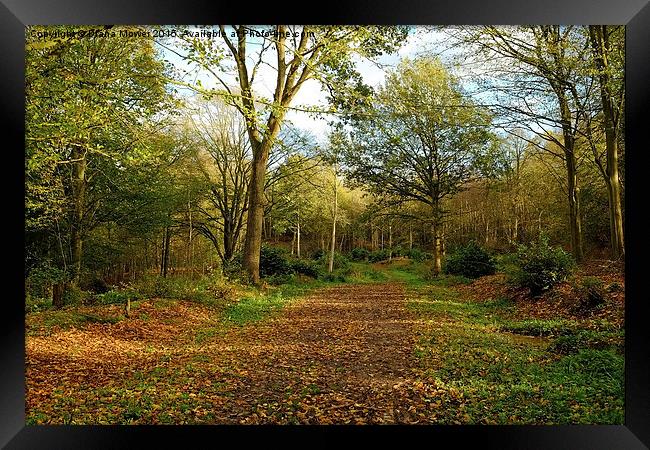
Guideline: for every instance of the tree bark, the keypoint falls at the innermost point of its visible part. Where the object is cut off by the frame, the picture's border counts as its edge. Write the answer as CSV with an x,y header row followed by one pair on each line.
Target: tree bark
x,y
165,257
437,253
253,240
298,237
600,46
79,199
57,295
573,191
390,242
333,244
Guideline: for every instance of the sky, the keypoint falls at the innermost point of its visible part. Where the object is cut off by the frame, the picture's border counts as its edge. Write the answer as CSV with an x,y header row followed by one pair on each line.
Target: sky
x,y
420,40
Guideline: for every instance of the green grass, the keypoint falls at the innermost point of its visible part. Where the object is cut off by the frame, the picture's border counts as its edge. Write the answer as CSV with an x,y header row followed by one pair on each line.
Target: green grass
x,y
523,372
68,318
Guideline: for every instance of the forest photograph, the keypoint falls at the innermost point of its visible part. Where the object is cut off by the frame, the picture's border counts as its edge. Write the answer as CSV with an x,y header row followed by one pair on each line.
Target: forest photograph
x,y
324,225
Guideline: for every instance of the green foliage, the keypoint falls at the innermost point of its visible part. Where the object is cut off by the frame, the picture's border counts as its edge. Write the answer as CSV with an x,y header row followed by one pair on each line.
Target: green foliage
x,y
209,290
470,261
74,295
306,267
253,309
505,379
117,296
588,339
233,269
318,254
379,255
539,327
417,254
274,261
540,266
38,283
359,254
341,263
591,292
334,277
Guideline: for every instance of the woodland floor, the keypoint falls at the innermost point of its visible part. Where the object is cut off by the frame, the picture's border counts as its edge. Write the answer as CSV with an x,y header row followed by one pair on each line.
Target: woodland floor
x,y
399,351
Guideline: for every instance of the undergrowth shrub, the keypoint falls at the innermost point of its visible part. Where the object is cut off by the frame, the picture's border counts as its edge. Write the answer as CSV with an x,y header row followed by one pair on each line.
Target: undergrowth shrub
x,y
471,261
208,290
587,339
540,266
591,292
417,254
117,296
538,327
379,255
306,267
274,261
233,269
359,254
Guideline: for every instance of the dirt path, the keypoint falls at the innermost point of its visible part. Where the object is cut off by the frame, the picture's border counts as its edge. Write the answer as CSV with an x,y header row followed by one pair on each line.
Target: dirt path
x,y
342,355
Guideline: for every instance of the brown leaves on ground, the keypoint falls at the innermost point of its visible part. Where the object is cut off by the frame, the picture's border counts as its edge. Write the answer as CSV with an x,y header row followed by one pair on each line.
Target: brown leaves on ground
x,y
563,300
342,355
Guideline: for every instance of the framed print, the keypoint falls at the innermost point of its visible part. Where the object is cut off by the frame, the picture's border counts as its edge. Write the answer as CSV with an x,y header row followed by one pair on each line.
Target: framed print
x,y
382,220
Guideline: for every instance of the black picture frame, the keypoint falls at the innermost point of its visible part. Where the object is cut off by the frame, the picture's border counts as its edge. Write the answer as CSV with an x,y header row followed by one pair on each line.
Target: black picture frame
x,y
635,14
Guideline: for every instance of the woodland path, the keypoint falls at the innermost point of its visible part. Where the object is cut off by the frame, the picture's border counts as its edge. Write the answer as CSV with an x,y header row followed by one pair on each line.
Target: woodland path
x,y
339,355
344,354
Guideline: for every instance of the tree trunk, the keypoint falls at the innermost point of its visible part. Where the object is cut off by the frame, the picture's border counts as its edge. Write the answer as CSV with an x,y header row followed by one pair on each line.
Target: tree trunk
x,y
79,199
189,243
254,222
298,238
165,260
574,205
600,46
437,253
253,242
333,243
57,295
390,242
572,174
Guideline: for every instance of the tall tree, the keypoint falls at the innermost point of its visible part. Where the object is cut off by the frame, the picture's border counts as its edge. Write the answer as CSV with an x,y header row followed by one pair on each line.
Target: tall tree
x,y
422,142
301,54
535,64
86,100
607,44
222,154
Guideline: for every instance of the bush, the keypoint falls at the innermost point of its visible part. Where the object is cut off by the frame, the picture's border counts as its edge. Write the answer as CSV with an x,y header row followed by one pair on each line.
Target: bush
x,y
591,292
74,295
306,267
98,286
359,254
539,266
40,280
341,263
274,261
417,255
334,277
379,255
117,297
318,254
276,280
470,261
587,339
234,269
208,290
